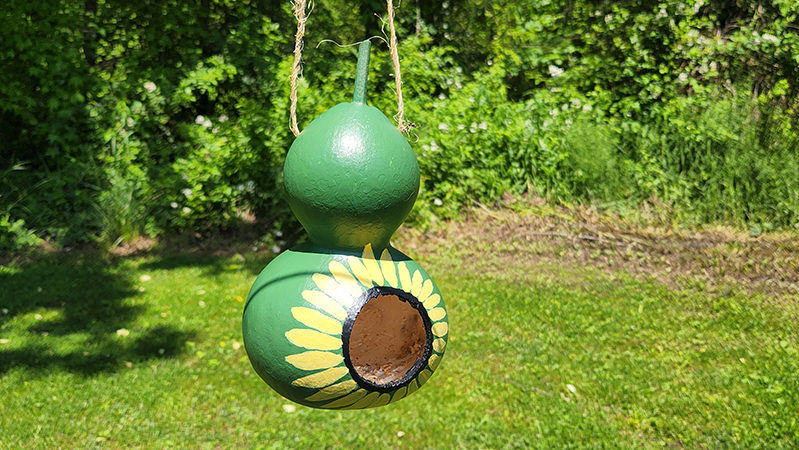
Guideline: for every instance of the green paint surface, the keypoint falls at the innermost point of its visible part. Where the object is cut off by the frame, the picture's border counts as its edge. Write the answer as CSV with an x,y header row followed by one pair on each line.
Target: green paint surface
x,y
351,176
283,285
351,179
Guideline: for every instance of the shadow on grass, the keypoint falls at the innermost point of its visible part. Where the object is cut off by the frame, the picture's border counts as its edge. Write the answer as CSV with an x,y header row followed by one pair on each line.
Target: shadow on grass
x,y
211,265
66,316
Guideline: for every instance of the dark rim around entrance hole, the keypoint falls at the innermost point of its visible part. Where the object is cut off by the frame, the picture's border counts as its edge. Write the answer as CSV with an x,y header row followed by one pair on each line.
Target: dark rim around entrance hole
x,y
387,339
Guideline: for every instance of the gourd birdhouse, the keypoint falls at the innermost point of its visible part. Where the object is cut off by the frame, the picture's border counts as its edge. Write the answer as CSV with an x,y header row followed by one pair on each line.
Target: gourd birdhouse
x,y
346,321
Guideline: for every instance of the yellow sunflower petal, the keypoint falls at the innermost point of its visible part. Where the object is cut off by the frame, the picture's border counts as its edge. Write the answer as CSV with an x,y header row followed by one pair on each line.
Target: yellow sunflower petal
x,y
321,379
389,271
404,277
383,400
432,301
401,393
424,376
344,277
436,314
314,360
348,400
360,271
439,345
364,402
334,391
440,329
313,340
416,287
316,320
412,387
333,289
371,265
427,289
434,361
325,303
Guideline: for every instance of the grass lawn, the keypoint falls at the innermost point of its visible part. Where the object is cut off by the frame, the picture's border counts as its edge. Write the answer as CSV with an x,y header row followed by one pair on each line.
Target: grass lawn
x,y
547,350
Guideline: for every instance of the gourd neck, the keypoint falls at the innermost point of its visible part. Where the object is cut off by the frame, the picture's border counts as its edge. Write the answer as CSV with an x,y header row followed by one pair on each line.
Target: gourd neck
x,y
362,73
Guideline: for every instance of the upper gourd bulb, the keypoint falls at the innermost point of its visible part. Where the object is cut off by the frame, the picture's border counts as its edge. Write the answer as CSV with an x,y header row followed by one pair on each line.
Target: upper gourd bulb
x,y
351,177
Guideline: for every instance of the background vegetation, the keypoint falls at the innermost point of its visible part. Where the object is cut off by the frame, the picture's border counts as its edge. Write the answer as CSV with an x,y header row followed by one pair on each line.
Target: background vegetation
x,y
119,119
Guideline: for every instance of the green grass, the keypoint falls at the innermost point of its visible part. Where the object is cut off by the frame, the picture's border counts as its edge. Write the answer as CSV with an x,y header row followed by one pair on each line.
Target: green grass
x,y
568,357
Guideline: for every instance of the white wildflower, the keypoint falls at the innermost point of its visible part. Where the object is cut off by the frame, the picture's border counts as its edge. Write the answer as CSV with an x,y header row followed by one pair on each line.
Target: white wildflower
x,y
199,120
207,123
223,118
483,126
276,249
608,18
174,205
461,126
437,202
555,71
186,209
683,77
771,38
441,96
150,86
187,192
443,127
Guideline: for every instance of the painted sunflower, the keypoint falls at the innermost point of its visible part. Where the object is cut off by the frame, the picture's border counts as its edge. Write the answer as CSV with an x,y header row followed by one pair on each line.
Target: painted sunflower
x,y
368,331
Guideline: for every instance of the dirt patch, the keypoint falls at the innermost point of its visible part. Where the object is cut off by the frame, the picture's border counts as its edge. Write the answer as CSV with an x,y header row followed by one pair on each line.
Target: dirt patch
x,y
719,260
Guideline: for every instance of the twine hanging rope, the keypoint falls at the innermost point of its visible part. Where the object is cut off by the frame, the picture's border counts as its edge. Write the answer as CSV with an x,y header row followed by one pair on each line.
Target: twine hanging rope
x,y
299,12
299,7
395,59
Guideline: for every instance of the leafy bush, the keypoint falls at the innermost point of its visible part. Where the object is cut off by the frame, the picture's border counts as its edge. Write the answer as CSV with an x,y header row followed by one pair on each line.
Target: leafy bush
x,y
148,118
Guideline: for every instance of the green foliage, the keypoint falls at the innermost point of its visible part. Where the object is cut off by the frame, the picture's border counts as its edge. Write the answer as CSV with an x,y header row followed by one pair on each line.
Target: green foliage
x,y
117,108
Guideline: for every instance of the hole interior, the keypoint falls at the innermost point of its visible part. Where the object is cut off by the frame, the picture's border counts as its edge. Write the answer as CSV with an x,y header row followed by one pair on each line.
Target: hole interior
x,y
387,339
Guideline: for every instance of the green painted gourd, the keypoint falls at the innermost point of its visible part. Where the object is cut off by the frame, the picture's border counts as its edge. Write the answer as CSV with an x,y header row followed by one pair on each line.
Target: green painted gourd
x,y
345,321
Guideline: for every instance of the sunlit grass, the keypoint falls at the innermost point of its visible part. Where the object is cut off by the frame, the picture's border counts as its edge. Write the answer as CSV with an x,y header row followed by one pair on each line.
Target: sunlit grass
x,y
146,353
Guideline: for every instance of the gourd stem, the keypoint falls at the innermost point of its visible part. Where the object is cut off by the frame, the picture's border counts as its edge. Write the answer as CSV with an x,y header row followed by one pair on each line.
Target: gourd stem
x,y
362,73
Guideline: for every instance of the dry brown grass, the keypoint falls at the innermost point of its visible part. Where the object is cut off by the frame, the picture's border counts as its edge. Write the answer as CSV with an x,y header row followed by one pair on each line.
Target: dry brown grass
x,y
532,234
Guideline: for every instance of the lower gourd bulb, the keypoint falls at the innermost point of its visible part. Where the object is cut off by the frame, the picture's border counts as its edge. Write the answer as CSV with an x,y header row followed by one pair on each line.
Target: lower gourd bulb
x,y
344,331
